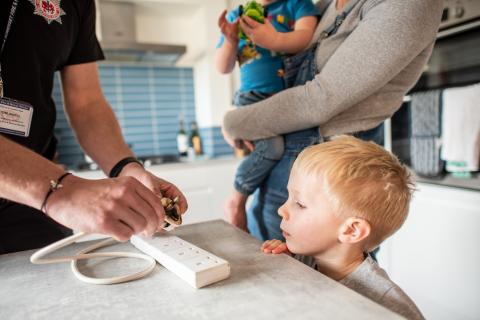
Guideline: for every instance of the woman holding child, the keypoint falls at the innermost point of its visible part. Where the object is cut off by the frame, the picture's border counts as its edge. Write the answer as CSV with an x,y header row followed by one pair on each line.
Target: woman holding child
x,y
364,57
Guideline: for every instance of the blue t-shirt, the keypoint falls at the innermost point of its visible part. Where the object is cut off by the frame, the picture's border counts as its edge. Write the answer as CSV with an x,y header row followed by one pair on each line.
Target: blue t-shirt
x,y
259,67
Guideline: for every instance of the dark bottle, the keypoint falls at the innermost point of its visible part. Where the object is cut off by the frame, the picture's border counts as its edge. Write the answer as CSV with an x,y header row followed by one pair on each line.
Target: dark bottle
x,y
194,140
182,140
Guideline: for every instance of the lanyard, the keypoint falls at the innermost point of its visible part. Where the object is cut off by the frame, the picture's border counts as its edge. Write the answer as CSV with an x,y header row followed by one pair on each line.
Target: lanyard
x,y
7,31
339,20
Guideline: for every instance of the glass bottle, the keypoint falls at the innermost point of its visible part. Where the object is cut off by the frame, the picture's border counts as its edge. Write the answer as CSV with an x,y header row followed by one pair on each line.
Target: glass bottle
x,y
182,140
194,140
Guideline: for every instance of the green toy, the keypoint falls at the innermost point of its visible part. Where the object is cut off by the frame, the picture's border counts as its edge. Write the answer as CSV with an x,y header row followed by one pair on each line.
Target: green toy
x,y
253,10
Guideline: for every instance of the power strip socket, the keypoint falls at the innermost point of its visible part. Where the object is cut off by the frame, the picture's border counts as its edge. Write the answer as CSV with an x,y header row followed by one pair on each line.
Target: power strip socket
x,y
196,266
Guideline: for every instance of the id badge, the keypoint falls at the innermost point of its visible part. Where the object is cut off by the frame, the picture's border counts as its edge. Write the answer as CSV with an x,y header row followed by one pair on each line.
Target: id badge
x,y
15,117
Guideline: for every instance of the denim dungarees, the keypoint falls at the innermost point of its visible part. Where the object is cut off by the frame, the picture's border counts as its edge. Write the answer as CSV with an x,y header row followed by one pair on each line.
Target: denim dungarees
x,y
262,216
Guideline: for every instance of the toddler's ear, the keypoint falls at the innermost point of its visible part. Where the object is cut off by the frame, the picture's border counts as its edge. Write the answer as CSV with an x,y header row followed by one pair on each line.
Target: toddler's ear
x,y
354,230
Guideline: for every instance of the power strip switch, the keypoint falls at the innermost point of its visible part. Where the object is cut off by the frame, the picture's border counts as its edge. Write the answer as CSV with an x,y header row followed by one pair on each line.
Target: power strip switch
x,y
196,266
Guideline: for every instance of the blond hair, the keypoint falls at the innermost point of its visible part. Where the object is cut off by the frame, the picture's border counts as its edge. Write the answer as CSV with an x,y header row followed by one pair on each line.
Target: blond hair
x,y
363,180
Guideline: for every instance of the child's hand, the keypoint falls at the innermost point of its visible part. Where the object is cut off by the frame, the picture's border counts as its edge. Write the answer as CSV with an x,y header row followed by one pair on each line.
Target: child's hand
x,y
229,30
275,246
262,34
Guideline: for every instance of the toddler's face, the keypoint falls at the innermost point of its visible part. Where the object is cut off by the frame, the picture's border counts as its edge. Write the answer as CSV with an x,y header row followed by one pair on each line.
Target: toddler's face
x,y
309,224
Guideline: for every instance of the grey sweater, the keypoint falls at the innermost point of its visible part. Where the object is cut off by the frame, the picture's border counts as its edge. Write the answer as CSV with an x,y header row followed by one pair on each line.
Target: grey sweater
x,y
364,71
373,282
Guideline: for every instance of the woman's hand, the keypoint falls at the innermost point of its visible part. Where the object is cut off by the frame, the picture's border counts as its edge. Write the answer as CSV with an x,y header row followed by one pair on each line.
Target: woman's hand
x,y
227,138
275,246
239,144
262,34
229,30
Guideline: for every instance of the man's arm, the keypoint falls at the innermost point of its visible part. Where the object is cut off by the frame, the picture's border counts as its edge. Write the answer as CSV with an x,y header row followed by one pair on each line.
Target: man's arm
x,y
91,117
389,37
111,207
98,131
25,175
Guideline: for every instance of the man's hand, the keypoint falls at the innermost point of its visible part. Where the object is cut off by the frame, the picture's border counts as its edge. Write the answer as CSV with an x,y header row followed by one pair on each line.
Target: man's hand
x,y
275,246
158,186
262,34
229,30
119,207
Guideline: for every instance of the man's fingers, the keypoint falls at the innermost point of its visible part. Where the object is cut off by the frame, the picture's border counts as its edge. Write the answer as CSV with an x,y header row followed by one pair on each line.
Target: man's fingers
x,y
182,202
141,206
154,202
120,231
172,192
131,218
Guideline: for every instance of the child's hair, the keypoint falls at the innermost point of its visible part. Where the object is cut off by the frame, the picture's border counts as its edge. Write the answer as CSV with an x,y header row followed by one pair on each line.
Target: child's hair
x,y
362,180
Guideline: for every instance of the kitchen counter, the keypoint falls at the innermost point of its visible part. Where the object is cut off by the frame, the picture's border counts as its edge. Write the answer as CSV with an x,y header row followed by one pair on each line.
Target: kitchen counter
x,y
260,287
159,169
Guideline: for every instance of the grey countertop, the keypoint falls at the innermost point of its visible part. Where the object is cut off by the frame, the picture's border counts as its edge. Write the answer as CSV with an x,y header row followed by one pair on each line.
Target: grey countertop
x,y
260,287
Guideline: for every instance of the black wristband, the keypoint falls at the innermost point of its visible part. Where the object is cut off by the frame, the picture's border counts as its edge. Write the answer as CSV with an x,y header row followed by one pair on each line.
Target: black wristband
x,y
54,186
121,164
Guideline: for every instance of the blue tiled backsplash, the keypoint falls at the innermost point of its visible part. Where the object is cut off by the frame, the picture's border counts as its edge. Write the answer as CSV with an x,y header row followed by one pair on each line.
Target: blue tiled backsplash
x,y
148,102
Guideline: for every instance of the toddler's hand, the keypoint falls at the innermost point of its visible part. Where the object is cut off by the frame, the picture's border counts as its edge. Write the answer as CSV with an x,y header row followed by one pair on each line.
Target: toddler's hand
x,y
229,30
262,34
275,246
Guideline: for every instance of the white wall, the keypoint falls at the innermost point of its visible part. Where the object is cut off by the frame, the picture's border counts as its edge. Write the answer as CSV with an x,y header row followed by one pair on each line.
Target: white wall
x,y
159,23
435,256
193,25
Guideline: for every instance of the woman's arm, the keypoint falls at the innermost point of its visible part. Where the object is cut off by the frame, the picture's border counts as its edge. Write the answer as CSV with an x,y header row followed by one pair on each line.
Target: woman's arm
x,y
387,40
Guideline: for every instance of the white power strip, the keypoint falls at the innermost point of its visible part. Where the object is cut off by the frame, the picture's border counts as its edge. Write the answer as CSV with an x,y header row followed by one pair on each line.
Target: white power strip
x,y
196,266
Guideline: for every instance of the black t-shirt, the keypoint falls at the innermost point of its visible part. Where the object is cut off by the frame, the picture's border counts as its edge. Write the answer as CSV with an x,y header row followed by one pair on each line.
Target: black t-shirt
x,y
46,36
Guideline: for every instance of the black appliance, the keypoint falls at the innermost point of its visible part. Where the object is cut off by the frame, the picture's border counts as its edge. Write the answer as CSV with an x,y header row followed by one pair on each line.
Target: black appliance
x,y
455,59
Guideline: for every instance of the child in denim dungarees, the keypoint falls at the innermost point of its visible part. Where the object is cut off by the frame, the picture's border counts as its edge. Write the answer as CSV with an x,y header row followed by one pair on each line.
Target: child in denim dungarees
x,y
288,29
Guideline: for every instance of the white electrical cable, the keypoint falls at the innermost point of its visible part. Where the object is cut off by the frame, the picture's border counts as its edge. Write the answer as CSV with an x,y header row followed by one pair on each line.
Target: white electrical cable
x,y
38,258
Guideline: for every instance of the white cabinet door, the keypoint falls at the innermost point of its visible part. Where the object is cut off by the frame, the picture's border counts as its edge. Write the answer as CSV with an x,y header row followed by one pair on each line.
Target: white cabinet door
x,y
435,257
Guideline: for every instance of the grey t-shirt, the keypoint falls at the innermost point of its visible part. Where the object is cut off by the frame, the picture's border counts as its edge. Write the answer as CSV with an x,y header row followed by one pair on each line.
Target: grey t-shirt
x,y
373,282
